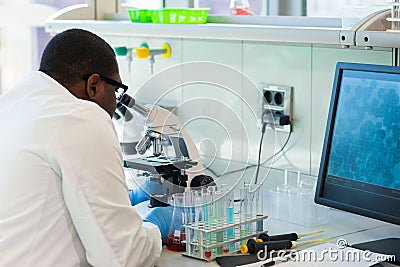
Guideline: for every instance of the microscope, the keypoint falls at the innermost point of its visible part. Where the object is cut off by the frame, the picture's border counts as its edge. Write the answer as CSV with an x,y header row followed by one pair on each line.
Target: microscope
x,y
163,133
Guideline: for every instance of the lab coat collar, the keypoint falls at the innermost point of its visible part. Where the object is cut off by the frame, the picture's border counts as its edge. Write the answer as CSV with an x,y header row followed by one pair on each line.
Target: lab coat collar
x,y
53,82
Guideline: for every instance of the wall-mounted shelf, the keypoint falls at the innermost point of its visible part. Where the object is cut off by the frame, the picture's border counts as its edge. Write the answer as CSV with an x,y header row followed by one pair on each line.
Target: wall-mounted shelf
x,y
245,32
369,32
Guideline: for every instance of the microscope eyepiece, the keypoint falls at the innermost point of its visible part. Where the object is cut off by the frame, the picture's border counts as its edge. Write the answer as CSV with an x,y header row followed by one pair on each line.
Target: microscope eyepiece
x,y
130,102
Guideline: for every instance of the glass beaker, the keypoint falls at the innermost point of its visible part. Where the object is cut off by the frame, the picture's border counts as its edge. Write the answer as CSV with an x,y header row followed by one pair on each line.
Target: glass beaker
x,y
296,208
239,7
283,199
177,232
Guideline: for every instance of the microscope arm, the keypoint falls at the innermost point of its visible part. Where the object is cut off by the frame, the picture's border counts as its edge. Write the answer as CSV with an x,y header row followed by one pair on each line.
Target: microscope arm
x,y
193,155
161,121
165,122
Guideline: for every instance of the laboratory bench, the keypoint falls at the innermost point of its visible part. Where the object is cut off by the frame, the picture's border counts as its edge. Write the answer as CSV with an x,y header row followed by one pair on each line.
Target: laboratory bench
x,y
310,47
342,225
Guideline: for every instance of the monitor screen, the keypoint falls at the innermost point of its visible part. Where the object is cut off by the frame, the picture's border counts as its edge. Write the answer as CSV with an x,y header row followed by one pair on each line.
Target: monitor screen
x,y
360,163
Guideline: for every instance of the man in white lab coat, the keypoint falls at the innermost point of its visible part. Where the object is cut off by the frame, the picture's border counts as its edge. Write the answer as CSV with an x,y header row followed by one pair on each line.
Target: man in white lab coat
x,y
63,197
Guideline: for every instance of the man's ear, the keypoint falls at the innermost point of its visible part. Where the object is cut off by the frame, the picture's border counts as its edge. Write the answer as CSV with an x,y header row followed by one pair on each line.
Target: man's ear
x,y
92,85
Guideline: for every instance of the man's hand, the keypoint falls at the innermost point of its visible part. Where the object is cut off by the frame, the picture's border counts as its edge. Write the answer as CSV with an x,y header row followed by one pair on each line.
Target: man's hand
x,y
161,217
142,192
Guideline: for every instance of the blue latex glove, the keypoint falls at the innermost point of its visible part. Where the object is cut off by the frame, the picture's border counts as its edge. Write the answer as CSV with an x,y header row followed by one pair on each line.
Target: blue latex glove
x,y
161,217
142,193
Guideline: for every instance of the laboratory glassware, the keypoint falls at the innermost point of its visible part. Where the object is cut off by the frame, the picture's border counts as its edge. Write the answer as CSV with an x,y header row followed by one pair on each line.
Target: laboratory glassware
x,y
176,233
239,7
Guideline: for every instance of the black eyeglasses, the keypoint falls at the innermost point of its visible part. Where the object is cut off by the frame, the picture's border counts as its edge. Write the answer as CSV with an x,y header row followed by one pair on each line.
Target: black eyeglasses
x,y
120,88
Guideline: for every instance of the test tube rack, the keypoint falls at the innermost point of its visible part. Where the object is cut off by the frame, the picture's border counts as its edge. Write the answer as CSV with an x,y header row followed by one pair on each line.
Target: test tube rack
x,y
198,247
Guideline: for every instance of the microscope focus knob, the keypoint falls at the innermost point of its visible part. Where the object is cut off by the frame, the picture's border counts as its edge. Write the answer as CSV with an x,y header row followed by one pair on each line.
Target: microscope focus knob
x,y
201,181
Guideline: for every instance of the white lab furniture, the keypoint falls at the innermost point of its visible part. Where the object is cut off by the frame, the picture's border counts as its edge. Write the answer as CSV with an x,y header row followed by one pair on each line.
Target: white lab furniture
x,y
294,51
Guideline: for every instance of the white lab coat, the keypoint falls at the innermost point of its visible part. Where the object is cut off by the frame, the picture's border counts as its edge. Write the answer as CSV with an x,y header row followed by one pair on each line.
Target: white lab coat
x,y
63,197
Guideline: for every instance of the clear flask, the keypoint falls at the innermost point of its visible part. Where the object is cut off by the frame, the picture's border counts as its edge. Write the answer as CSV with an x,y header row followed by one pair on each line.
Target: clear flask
x,y
177,232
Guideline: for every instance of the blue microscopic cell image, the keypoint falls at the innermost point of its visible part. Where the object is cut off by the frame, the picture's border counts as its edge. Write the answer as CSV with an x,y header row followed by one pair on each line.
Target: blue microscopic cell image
x,y
382,134
366,137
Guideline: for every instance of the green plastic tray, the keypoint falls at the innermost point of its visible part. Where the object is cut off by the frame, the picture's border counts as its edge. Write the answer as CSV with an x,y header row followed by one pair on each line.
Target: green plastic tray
x,y
169,15
139,15
179,15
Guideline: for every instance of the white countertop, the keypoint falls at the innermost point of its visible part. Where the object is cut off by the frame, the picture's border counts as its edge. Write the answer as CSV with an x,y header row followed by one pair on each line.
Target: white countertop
x,y
342,225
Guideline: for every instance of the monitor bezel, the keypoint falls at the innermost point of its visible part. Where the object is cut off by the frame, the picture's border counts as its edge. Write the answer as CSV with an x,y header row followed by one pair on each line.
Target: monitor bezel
x,y
324,163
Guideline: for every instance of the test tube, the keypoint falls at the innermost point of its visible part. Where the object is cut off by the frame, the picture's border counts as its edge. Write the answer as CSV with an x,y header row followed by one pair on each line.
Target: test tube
x,y
213,214
205,207
230,207
187,218
206,220
243,212
257,203
243,202
229,219
197,213
203,220
189,215
250,227
212,211
260,210
219,216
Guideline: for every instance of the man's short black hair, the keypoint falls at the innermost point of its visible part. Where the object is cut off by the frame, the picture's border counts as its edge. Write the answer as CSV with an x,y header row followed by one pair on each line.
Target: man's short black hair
x,y
76,53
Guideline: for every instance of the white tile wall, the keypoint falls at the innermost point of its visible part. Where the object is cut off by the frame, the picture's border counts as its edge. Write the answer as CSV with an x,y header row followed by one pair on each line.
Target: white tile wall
x,y
219,104
140,70
213,103
284,65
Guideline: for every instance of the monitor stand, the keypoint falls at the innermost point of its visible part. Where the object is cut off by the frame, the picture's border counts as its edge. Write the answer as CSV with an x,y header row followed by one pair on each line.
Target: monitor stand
x,y
388,246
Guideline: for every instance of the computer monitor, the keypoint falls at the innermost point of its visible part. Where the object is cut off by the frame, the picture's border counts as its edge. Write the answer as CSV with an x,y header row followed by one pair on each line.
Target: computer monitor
x,y
360,164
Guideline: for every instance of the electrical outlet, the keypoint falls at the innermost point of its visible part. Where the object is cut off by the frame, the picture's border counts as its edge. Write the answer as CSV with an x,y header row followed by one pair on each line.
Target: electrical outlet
x,y
278,99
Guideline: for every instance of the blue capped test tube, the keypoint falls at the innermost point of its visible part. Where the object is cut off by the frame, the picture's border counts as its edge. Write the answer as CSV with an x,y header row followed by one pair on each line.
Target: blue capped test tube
x,y
212,218
230,233
219,218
